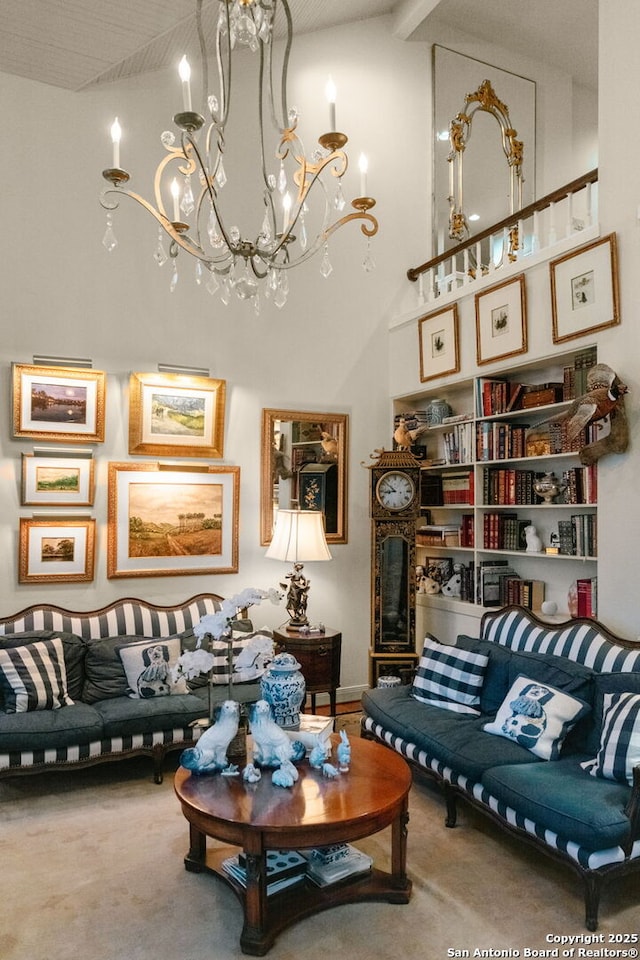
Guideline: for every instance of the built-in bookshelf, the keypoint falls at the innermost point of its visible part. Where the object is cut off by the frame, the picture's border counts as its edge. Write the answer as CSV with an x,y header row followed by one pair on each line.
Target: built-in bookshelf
x,y
478,497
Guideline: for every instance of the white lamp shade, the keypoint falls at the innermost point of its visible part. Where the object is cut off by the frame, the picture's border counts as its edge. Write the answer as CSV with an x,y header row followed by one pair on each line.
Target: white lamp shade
x,y
298,537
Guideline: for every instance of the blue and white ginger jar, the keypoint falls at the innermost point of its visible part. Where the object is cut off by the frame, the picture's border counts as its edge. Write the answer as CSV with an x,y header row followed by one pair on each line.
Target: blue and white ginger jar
x,y
283,687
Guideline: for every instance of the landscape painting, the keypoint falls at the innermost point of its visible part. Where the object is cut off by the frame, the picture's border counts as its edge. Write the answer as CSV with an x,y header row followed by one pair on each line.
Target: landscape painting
x,y
168,519
54,551
51,481
173,414
61,403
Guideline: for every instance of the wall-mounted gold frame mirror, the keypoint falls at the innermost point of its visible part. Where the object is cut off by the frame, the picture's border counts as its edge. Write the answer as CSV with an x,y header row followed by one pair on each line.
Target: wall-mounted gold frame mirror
x,y
304,463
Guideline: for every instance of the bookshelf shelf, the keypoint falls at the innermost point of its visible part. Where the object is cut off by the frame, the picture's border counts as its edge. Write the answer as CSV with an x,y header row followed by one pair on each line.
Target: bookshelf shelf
x,y
498,443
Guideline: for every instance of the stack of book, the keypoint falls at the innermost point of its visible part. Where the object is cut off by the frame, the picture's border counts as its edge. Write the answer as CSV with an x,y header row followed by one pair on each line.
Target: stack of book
x,y
327,865
438,535
311,727
284,868
458,488
587,596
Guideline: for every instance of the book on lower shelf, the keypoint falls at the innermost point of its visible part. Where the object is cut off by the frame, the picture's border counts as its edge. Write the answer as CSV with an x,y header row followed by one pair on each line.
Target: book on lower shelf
x,y
343,863
284,868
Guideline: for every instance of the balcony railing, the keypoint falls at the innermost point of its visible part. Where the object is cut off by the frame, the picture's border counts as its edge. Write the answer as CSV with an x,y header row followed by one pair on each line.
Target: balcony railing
x,y
533,230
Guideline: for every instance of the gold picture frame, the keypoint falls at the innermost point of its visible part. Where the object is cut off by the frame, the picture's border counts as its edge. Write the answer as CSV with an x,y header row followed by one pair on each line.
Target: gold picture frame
x,y
58,403
439,345
172,520
501,321
584,290
176,415
57,481
56,550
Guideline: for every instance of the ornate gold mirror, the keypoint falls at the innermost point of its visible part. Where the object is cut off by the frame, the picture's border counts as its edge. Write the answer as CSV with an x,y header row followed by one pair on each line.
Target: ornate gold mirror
x,y
479,177
304,464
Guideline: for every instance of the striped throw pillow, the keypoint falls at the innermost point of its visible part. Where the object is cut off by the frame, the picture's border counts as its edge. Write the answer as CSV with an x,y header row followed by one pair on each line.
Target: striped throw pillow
x,y
449,678
619,749
34,677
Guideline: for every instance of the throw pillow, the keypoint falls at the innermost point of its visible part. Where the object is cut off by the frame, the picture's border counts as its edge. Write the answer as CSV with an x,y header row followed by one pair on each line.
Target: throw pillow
x,y
34,677
537,716
148,665
619,749
448,677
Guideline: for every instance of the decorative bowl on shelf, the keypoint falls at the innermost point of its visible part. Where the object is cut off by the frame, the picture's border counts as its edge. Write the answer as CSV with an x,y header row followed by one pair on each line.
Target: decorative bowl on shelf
x,y
549,487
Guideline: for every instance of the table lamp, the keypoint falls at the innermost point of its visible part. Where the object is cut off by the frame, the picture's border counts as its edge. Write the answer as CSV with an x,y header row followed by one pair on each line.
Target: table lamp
x,y
299,538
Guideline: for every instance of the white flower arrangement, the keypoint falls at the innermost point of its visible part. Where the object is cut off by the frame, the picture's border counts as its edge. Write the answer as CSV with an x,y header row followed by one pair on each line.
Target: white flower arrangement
x,y
218,626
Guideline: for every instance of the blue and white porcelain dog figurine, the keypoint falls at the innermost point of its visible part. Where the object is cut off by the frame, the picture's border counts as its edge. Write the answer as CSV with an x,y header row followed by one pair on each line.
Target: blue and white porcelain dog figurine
x,y
210,752
271,745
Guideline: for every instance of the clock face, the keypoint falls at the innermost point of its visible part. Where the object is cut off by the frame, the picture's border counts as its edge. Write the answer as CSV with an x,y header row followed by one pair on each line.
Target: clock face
x,y
395,490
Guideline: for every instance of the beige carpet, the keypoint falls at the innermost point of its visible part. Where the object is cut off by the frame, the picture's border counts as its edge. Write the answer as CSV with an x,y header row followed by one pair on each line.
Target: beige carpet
x,y
92,869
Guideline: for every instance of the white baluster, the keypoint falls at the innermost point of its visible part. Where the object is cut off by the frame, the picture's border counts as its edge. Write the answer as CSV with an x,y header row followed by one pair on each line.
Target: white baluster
x,y
535,236
552,225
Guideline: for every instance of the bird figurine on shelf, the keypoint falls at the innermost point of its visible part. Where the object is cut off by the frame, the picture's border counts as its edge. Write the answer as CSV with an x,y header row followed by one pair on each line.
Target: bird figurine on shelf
x,y
329,446
604,391
406,438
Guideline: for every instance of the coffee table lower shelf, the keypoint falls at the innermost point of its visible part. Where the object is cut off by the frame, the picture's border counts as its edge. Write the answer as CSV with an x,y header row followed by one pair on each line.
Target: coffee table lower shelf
x,y
300,900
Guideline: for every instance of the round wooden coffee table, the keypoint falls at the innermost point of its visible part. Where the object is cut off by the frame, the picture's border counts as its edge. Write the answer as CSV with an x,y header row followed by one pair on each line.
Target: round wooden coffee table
x,y
315,812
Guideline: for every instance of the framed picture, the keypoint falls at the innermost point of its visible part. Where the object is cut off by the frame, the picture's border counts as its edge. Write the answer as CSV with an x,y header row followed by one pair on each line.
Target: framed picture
x,y
438,338
501,321
584,290
57,481
174,415
164,521
58,403
53,551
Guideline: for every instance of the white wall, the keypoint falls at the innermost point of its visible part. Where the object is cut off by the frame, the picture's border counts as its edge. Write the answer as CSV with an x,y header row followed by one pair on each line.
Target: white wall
x,y
326,350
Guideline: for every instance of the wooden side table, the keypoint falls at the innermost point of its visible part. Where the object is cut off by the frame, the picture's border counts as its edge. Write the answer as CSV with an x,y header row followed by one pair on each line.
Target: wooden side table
x,y
319,656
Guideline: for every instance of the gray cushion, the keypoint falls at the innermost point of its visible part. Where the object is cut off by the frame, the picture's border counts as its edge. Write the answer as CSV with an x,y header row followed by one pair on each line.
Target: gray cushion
x,y
562,797
50,729
122,716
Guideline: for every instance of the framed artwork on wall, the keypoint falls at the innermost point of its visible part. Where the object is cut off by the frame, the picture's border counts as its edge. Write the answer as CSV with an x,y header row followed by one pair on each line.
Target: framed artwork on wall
x,y
501,321
584,290
56,550
172,520
58,403
175,415
438,339
57,481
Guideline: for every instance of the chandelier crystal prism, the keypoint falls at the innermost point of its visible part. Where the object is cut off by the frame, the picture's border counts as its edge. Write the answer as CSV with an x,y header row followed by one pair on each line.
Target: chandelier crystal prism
x,y
191,177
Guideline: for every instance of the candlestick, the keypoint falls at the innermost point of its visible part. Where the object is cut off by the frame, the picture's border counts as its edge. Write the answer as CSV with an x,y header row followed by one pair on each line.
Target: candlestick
x,y
185,75
286,207
116,133
175,193
363,164
330,91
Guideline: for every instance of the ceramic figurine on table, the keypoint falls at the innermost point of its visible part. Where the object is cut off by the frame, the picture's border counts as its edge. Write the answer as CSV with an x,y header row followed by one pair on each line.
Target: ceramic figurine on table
x,y
319,753
271,745
534,543
344,752
210,753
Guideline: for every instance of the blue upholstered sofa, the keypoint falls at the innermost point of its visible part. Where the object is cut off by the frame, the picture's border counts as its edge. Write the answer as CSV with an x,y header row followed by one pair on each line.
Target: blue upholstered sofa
x,y
561,773
99,719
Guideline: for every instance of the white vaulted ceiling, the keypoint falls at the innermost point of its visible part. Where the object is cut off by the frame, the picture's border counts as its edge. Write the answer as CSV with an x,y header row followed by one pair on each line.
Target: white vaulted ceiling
x,y
77,43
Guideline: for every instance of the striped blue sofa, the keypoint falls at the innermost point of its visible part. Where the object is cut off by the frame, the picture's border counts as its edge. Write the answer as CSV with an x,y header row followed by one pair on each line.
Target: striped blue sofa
x,y
583,815
100,721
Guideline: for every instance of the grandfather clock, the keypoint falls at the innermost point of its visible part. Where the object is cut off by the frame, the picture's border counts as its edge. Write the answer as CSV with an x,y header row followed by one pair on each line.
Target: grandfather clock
x,y
395,507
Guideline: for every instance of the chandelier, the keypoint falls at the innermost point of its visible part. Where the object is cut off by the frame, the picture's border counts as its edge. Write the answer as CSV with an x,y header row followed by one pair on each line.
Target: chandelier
x,y
190,178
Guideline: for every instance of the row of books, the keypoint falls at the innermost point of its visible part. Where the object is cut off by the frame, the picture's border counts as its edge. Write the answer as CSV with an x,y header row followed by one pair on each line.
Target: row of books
x,y
457,443
578,536
496,440
499,396
586,599
503,531
581,484
508,486
322,865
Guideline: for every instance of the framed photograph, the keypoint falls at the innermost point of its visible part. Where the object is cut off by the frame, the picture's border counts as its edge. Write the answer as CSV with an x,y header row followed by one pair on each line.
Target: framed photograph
x,y
584,290
57,481
58,403
164,521
438,338
501,321
174,415
53,551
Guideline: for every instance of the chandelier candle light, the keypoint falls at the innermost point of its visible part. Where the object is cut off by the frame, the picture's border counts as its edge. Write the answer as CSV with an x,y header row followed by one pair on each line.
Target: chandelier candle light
x,y
289,180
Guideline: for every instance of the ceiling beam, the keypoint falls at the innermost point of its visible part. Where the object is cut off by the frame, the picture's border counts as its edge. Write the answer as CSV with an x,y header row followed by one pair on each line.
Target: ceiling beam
x,y
409,15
